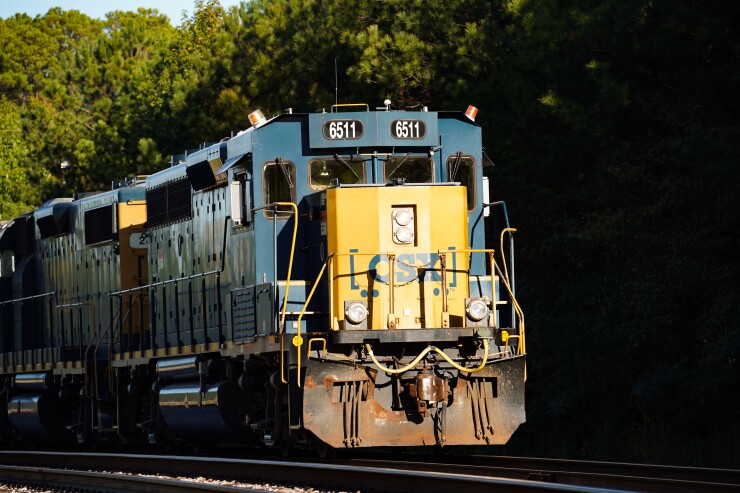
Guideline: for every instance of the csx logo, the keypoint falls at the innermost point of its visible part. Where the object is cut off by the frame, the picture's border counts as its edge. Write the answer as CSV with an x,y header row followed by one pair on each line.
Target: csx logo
x,y
407,266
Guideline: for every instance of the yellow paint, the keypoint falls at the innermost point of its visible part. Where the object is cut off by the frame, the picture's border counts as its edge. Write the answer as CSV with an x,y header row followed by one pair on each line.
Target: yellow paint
x,y
131,220
360,219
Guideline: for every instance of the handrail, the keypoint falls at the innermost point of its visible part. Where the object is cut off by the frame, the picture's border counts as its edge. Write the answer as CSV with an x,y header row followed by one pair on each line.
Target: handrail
x,y
298,337
348,105
503,256
31,297
511,247
392,258
281,326
290,262
165,282
298,340
521,347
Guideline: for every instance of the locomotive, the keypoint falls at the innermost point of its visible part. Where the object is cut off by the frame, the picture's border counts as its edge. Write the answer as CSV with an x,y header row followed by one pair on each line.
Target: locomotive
x,y
325,280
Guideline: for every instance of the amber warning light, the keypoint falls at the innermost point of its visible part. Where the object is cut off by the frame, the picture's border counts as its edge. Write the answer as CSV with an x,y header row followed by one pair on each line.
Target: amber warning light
x,y
257,119
471,112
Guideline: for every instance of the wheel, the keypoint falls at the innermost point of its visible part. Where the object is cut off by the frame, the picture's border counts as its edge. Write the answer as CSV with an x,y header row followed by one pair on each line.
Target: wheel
x,y
199,448
324,451
285,448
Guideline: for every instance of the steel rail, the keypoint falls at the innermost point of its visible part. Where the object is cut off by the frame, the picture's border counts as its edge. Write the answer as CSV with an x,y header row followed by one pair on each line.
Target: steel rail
x,y
327,476
729,476
623,476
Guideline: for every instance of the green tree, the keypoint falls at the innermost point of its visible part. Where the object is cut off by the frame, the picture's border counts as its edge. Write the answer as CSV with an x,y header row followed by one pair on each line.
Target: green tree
x,y
94,113
31,49
196,97
618,132
17,195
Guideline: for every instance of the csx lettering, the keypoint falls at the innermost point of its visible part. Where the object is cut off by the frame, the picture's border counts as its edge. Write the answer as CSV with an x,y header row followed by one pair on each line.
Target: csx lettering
x,y
407,267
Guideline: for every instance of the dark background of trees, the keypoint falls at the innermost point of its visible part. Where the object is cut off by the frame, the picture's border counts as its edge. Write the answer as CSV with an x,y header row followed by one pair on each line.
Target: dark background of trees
x,y
613,127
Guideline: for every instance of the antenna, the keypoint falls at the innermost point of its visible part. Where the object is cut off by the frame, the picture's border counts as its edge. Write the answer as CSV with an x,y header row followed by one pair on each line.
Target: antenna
x,y
336,83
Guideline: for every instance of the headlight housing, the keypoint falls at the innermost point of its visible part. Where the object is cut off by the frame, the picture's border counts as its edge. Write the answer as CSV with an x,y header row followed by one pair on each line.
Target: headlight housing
x,y
355,312
403,225
477,309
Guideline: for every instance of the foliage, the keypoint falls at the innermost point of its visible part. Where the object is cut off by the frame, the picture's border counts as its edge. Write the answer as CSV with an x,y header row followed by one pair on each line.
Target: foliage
x,y
16,192
625,144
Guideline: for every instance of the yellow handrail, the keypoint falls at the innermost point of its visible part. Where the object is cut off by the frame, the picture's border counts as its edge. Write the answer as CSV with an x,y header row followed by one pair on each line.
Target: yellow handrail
x,y
521,347
287,286
298,339
290,262
311,341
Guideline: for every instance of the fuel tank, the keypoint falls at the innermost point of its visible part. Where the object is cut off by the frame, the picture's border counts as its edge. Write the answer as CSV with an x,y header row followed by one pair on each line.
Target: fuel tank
x,y
214,413
38,417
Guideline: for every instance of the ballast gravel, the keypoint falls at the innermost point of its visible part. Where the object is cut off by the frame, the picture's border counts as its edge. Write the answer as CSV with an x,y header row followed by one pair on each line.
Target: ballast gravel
x,y
276,488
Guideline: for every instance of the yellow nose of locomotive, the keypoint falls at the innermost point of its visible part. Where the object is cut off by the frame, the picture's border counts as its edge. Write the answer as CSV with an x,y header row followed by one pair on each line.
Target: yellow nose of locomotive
x,y
389,245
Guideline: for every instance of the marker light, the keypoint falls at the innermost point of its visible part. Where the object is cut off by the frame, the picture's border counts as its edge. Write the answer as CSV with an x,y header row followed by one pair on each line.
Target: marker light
x,y
355,312
471,113
257,119
477,309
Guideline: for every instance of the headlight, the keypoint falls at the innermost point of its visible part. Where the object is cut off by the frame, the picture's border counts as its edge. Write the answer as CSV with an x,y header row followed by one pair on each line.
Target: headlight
x,y
355,312
477,309
403,235
403,217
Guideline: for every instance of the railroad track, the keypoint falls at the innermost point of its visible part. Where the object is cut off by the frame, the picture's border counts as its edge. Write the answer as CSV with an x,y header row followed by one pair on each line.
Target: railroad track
x,y
621,476
500,474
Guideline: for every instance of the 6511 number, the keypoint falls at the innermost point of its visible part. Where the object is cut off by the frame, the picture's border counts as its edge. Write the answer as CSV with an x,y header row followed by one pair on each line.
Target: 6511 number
x,y
343,129
408,129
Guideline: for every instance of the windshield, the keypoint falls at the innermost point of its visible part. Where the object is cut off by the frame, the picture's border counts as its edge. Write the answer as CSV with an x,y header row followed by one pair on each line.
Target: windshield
x,y
347,170
413,169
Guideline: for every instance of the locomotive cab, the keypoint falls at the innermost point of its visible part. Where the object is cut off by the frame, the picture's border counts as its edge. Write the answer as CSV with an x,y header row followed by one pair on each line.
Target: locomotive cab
x,y
416,349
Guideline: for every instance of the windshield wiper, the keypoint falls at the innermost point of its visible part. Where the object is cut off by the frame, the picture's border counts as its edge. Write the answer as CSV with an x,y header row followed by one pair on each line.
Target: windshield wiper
x,y
347,165
388,176
284,169
456,165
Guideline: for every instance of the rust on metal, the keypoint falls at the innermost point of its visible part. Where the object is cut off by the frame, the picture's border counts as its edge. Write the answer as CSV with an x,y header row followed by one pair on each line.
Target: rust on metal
x,y
364,408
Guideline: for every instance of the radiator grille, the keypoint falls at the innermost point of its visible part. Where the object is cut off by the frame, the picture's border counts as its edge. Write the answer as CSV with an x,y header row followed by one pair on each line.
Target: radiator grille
x,y
169,203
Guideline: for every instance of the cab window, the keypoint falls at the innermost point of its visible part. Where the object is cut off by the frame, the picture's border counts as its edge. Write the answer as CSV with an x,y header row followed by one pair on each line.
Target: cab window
x,y
411,169
278,182
348,171
461,169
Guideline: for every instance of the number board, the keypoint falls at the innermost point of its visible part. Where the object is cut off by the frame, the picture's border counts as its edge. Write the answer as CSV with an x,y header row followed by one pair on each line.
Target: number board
x,y
408,129
373,129
343,129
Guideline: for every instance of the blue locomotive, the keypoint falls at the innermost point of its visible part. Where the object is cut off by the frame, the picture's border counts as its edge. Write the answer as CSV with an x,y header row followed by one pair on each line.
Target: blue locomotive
x,y
317,280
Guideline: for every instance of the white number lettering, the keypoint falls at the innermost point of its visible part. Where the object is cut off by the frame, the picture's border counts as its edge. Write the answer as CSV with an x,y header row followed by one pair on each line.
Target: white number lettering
x,y
408,129
343,129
